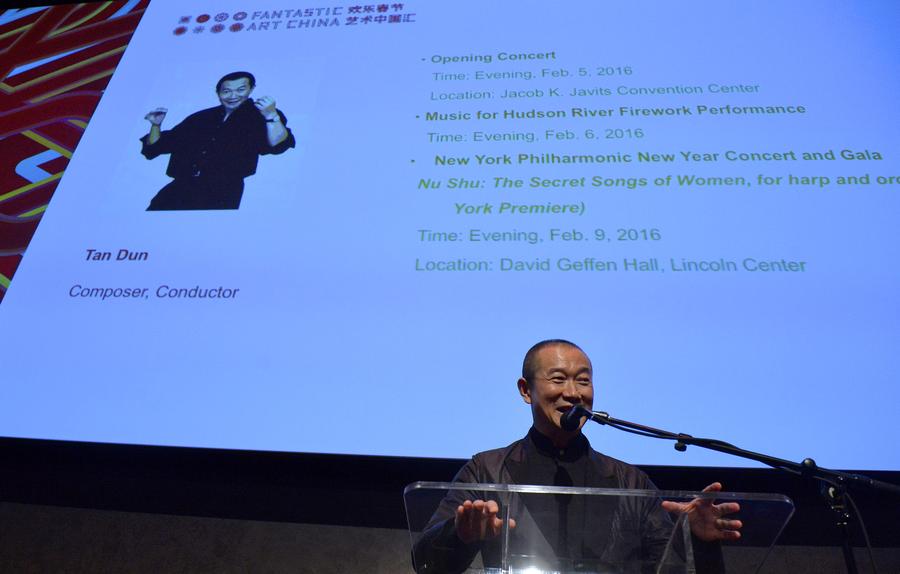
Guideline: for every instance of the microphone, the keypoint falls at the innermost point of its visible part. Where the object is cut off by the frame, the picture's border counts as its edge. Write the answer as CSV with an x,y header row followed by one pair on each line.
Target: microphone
x,y
572,417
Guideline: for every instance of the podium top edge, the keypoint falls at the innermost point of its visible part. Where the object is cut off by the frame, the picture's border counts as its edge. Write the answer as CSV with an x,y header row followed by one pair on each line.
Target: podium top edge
x,y
586,491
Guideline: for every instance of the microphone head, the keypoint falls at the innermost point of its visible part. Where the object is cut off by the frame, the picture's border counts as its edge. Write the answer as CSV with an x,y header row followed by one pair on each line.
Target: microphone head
x,y
571,419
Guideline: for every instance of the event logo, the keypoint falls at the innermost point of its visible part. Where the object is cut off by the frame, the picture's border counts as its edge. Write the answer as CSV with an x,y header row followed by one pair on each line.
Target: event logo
x,y
297,19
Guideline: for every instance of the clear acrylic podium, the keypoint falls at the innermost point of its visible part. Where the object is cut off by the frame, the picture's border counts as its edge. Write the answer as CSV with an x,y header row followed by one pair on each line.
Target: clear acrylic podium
x,y
561,530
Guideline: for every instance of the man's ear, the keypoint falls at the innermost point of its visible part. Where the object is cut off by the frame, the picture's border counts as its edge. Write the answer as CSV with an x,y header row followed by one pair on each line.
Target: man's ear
x,y
524,390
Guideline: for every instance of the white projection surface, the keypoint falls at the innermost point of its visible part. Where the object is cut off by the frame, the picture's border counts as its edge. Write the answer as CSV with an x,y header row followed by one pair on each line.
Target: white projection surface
x,y
703,195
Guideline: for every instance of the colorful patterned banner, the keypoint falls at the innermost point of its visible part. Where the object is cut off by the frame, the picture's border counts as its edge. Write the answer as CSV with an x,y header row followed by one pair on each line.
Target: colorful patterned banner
x,y
55,63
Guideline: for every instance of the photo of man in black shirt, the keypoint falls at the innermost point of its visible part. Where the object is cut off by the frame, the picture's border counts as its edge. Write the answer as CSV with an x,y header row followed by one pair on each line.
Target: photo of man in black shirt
x,y
213,150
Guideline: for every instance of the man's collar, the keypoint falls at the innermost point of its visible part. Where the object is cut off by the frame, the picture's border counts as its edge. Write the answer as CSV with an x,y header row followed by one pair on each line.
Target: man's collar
x,y
576,448
241,109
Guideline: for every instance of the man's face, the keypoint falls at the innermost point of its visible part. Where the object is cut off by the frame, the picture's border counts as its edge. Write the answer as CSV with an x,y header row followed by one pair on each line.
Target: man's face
x,y
232,93
563,379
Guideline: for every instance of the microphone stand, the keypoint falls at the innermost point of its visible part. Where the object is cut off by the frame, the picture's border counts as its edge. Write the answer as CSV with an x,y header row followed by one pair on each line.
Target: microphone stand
x,y
834,482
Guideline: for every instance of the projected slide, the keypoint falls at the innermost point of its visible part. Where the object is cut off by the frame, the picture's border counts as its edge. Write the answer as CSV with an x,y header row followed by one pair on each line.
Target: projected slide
x,y
338,228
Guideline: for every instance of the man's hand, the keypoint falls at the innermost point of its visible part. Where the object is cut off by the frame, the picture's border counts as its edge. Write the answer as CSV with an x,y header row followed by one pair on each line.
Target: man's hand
x,y
478,521
157,116
705,517
266,107
275,130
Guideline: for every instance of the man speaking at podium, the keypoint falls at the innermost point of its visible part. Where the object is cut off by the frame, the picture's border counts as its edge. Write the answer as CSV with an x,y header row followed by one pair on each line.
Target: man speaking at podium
x,y
557,376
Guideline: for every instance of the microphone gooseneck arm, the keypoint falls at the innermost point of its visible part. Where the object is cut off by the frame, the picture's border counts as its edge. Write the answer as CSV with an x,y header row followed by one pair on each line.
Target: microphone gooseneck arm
x,y
806,468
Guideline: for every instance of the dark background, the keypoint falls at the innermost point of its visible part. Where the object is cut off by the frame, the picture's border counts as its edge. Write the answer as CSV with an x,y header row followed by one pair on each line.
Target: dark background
x,y
345,490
